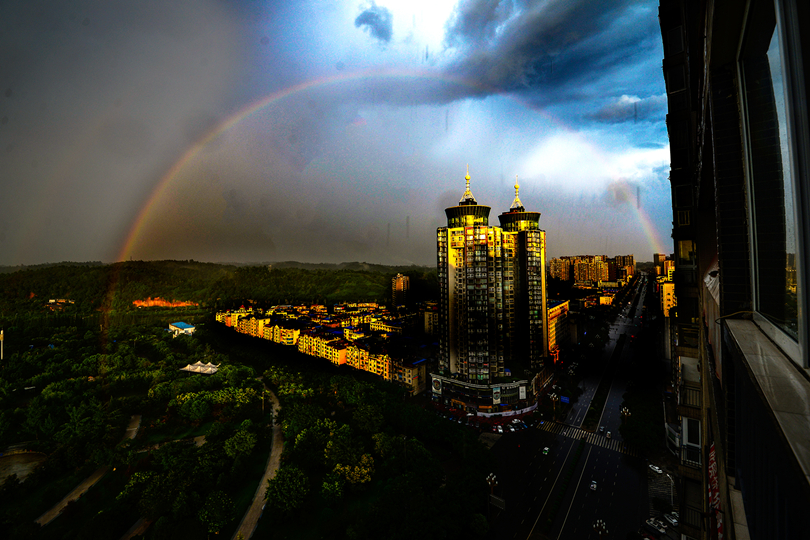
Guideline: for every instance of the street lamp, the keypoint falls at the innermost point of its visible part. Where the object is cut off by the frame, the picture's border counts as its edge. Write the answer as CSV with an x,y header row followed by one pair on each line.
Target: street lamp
x,y
492,480
600,527
554,398
625,413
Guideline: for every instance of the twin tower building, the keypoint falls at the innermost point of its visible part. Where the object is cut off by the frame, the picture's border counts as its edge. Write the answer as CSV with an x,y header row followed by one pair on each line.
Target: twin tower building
x,y
493,321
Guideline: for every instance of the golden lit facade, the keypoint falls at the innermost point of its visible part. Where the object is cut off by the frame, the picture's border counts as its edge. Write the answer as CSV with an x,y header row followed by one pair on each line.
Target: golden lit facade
x,y
558,331
400,285
492,314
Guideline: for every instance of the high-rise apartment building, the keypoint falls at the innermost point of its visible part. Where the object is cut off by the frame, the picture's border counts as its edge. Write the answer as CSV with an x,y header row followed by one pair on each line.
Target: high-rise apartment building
x,y
737,77
493,321
400,286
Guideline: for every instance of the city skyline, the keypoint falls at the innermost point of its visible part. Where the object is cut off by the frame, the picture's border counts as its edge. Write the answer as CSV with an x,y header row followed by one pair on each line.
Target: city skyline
x,y
245,132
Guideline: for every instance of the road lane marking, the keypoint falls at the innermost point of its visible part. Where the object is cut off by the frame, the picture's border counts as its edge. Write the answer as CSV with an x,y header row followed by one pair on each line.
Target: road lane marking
x,y
550,491
579,483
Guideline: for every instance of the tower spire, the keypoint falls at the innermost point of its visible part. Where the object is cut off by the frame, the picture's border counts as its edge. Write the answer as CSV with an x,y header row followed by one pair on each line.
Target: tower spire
x,y
517,206
467,197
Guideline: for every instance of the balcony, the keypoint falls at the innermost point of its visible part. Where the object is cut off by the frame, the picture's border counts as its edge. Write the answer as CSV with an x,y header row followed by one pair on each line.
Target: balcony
x,y
689,388
691,456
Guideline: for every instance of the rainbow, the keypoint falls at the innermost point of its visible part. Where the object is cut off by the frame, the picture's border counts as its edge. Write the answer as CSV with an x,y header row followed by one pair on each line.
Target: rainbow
x,y
163,184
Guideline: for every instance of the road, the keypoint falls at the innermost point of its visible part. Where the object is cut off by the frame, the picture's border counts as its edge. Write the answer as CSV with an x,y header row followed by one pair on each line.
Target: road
x,y
550,496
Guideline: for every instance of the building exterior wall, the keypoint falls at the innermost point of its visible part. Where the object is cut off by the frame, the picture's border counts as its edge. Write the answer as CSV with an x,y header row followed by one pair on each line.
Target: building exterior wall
x,y
492,308
737,87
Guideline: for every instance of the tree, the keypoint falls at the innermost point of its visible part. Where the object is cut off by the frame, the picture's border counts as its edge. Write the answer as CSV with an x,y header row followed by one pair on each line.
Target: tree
x,y
340,447
332,487
368,418
217,511
358,474
197,409
288,489
241,444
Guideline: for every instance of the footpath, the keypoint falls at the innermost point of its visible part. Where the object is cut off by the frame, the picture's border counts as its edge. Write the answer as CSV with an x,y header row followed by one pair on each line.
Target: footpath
x,y
251,517
90,481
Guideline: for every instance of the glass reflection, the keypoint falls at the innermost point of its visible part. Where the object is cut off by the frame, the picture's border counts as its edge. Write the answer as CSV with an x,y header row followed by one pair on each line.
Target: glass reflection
x,y
774,223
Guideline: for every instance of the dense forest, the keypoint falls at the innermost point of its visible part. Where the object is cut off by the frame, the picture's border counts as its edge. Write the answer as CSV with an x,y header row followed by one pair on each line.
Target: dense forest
x,y
112,289
356,450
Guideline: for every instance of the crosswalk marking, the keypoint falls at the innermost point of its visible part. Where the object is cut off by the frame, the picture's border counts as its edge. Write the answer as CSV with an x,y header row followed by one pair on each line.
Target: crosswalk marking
x,y
590,437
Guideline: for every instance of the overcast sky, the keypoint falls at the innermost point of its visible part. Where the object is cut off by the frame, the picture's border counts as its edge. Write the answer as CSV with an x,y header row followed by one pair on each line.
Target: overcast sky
x,y
325,130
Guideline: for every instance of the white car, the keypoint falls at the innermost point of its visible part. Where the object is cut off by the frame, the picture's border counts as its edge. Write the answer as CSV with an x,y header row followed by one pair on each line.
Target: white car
x,y
653,524
672,518
593,485
655,469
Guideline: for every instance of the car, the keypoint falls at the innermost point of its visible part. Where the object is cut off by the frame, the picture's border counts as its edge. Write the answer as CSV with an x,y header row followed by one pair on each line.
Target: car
x,y
655,469
653,525
545,451
500,428
660,523
601,429
593,485
673,519
608,435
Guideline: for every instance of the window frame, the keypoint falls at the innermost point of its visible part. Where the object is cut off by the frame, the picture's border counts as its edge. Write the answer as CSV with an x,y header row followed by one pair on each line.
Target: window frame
x,y
798,130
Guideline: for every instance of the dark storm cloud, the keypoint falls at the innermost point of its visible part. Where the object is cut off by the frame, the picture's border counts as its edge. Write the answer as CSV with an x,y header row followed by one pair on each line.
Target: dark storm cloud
x,y
377,20
477,21
628,110
551,50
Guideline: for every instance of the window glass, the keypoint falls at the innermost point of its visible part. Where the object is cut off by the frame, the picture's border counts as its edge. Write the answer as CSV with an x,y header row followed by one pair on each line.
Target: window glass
x,y
773,219
686,252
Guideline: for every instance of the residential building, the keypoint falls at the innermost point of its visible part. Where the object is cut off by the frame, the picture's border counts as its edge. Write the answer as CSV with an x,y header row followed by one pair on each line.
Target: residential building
x,y
737,84
493,319
400,286
559,333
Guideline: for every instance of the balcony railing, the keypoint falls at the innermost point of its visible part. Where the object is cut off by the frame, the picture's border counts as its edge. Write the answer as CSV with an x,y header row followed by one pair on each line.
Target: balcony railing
x,y
691,456
691,516
689,396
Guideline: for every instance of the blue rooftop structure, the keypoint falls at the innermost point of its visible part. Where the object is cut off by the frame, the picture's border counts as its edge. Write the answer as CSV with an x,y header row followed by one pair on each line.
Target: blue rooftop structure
x,y
178,328
182,325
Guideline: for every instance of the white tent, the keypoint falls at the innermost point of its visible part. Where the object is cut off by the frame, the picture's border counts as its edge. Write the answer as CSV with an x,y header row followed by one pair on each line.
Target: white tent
x,y
199,367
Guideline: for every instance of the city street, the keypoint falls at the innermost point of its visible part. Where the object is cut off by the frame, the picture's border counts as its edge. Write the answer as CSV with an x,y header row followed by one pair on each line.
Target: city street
x,y
551,496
